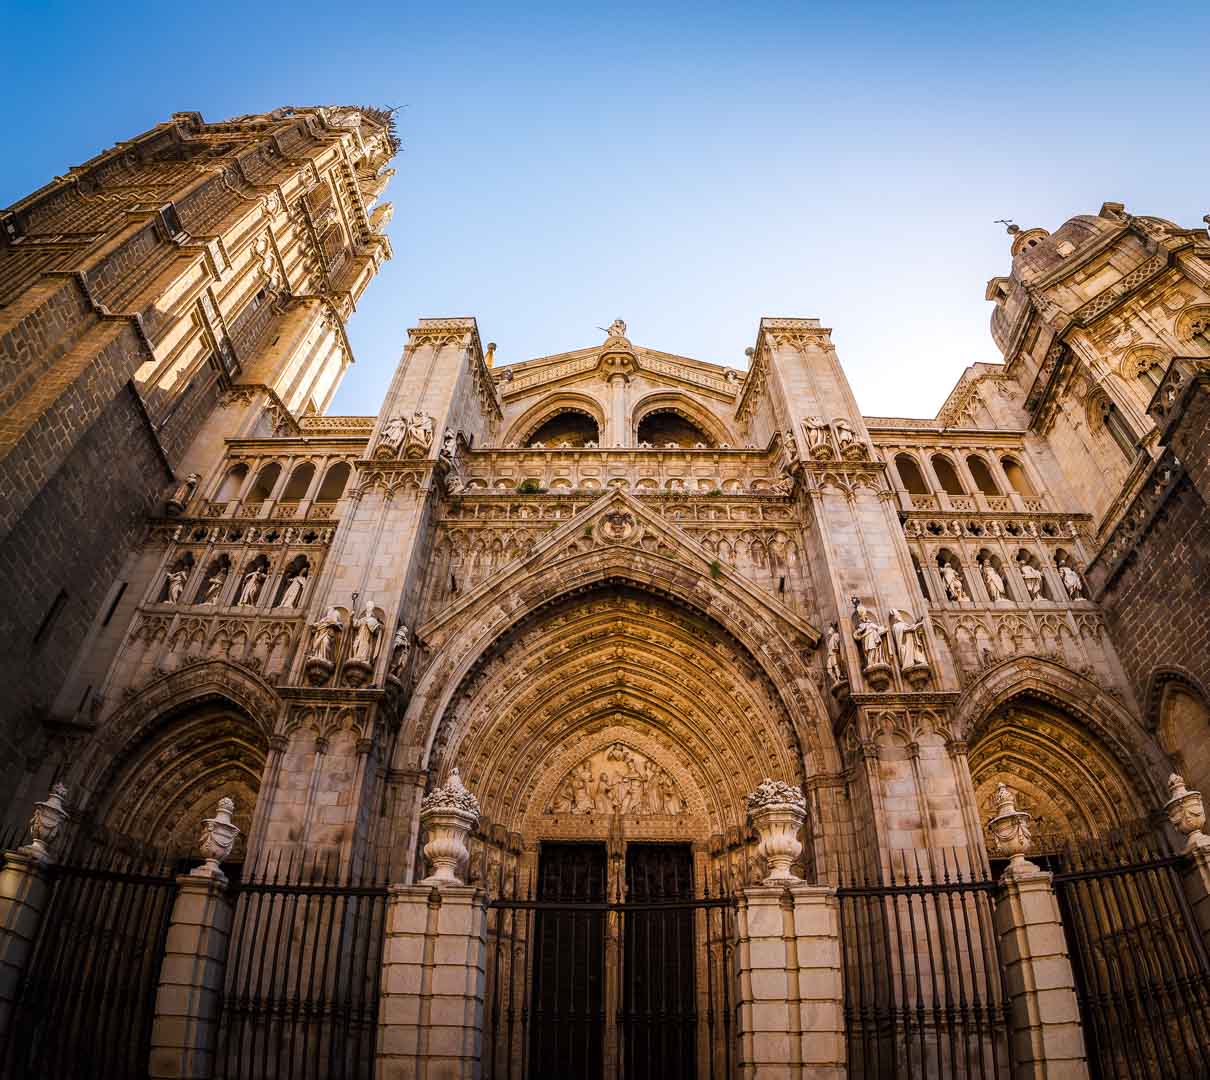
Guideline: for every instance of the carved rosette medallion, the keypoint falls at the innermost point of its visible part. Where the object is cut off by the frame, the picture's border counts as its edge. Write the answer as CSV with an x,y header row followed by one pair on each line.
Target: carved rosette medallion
x,y
617,526
617,780
778,811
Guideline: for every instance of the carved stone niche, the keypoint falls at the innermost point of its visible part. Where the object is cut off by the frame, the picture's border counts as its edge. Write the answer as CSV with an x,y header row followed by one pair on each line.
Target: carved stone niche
x,y
617,779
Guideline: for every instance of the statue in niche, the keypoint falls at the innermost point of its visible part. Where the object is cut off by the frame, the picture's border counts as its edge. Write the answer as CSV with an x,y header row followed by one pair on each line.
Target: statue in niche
x,y
817,436
909,639
835,661
1031,575
176,583
183,493
294,589
401,649
214,585
1071,580
869,634
993,580
952,581
323,635
250,589
366,627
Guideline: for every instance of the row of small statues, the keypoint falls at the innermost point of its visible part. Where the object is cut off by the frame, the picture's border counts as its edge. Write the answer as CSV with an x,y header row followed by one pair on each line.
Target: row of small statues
x,y
994,580
249,591
402,435
874,638
367,628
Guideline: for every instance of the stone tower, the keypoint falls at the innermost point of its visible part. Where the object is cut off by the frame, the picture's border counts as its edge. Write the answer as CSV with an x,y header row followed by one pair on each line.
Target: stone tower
x,y
185,286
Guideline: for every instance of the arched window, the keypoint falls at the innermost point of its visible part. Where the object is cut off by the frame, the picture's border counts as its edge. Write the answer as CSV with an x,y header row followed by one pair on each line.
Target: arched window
x,y
981,475
299,483
569,429
947,476
263,485
232,482
334,481
662,427
1105,413
1153,373
1016,477
909,473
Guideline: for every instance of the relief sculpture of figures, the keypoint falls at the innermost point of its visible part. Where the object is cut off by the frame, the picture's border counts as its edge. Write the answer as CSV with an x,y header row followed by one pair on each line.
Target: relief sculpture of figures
x,y
617,780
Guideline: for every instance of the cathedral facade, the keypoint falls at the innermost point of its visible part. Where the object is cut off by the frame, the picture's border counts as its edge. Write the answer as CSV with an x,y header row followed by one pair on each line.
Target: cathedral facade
x,y
602,595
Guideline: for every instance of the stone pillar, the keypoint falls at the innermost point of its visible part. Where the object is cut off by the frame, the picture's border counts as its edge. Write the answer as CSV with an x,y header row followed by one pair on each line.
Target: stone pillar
x,y
791,984
430,1020
24,891
185,1029
1187,813
1048,1040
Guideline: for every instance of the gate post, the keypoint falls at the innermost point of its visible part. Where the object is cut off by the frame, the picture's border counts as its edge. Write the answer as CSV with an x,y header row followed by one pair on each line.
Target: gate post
x,y
185,1028
1187,812
24,890
1048,1039
430,1020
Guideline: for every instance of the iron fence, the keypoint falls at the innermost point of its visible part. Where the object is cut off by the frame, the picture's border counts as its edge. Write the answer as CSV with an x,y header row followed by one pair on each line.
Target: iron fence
x,y
86,1003
1141,967
302,985
923,993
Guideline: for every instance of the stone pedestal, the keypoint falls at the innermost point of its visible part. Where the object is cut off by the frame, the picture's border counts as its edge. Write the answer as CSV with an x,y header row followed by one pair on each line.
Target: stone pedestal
x,y
187,1003
430,1020
791,984
1048,1040
24,891
1197,888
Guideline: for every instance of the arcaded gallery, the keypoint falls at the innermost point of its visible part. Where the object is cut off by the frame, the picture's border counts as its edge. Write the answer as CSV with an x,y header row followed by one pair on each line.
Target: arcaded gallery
x,y
609,715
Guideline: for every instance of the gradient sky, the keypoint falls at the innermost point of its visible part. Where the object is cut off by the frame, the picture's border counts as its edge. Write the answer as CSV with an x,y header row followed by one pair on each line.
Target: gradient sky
x,y
687,168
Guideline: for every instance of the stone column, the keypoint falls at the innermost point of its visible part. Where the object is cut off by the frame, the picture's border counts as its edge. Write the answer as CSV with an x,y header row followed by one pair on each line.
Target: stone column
x,y
788,960
1048,1040
24,892
1187,813
185,1029
430,1020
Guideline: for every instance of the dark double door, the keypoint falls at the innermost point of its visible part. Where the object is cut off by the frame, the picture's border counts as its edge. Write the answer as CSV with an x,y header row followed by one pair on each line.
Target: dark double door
x,y
613,976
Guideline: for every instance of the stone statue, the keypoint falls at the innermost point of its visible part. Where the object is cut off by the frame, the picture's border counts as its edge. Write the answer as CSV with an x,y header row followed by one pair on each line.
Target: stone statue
x,y
323,635
783,485
449,444
418,435
581,783
993,580
214,586
909,639
617,328
183,493
393,433
869,634
176,584
401,649
366,628
250,589
1071,580
844,433
835,661
294,590
952,581
817,434
1032,577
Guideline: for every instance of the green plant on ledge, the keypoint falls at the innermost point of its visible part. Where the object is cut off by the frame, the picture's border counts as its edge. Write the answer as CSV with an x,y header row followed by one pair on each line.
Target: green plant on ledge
x,y
530,487
716,570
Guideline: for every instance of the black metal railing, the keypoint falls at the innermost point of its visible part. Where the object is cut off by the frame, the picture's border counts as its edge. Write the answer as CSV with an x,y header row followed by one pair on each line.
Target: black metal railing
x,y
580,986
1141,967
303,967
923,991
87,1001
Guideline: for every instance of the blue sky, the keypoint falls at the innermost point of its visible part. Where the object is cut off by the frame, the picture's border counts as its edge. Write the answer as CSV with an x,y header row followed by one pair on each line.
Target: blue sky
x,y
687,168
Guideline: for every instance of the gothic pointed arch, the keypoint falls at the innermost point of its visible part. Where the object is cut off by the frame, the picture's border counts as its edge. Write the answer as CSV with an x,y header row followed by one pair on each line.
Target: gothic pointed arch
x,y
548,408
683,406
1082,763
160,763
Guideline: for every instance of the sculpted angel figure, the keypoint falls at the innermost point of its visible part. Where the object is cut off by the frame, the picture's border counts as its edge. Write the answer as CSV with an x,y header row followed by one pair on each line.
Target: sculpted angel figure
x,y
176,584
909,639
250,589
365,628
1032,577
952,581
869,634
323,635
835,662
1071,580
993,580
294,590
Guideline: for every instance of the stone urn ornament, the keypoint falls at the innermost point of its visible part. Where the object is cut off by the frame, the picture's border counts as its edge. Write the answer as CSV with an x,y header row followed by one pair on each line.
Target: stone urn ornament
x,y
448,814
217,839
1186,812
44,826
1010,829
778,811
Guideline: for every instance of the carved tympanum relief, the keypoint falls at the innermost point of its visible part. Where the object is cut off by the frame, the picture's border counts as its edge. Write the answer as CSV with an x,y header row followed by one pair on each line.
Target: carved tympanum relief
x,y
617,780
